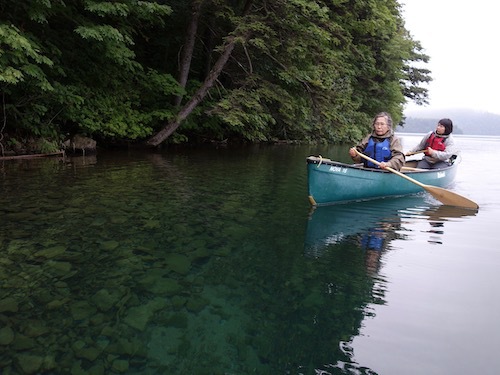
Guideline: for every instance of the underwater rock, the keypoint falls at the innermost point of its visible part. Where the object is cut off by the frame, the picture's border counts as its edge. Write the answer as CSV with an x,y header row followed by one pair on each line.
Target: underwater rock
x,y
166,287
178,321
82,310
98,319
19,247
178,301
151,277
49,363
90,353
97,369
164,343
22,342
178,263
29,364
8,304
200,255
110,245
59,268
56,304
139,316
6,336
51,252
34,328
128,347
104,300
196,304
120,365
76,368
152,224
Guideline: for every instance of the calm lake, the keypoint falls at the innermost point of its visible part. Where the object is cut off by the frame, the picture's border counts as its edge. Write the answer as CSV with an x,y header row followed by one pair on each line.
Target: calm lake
x,y
211,261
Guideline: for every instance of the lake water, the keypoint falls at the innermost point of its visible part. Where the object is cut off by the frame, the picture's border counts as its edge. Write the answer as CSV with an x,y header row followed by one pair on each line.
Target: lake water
x,y
211,261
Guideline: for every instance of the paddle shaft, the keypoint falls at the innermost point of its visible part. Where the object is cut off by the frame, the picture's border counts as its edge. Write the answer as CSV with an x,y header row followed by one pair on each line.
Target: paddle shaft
x,y
392,170
415,152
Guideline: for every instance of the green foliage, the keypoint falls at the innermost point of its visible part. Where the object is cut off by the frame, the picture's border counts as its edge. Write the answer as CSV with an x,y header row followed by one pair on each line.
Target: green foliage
x,y
46,146
103,33
106,8
307,70
21,59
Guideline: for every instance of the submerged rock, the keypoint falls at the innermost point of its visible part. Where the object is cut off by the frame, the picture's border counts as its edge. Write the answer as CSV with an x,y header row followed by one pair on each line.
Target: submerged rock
x,y
120,365
51,252
104,300
82,310
6,336
29,364
139,316
178,263
8,304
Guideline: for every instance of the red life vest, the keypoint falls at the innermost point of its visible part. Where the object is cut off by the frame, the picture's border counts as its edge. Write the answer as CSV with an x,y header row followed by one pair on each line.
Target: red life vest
x,y
435,142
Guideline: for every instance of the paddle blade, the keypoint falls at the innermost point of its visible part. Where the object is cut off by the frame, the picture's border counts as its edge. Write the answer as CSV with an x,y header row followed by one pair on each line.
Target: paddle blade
x,y
450,198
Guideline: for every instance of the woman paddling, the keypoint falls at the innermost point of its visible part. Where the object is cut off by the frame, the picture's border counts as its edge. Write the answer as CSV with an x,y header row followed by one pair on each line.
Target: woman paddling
x,y
382,145
438,146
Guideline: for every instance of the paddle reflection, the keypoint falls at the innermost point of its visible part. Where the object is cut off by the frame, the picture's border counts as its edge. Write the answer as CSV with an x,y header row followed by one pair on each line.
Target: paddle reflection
x,y
437,216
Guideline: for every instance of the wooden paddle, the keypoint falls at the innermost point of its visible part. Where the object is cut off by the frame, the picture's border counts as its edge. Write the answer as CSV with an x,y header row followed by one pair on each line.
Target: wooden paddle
x,y
415,152
445,196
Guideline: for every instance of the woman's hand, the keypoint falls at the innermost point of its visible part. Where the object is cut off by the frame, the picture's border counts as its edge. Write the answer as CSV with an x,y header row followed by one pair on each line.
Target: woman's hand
x,y
352,152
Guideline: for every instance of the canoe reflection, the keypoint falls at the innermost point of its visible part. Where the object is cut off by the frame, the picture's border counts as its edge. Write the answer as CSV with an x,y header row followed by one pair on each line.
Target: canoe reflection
x,y
372,224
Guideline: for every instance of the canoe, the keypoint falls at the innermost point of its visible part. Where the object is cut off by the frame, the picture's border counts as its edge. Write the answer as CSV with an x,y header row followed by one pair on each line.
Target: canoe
x,y
331,182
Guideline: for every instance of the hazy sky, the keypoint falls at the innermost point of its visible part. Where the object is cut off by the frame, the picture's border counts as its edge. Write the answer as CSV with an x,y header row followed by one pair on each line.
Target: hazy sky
x,y
462,40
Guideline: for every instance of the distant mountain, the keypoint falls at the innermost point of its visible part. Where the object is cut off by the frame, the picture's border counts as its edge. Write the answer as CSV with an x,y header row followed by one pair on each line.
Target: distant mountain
x,y
469,122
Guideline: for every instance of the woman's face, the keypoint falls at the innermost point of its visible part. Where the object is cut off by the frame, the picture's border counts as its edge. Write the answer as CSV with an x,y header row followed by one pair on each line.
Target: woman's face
x,y
440,129
380,126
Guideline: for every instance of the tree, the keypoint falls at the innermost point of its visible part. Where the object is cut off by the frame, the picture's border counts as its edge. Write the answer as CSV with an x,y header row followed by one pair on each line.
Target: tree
x,y
77,69
308,70
247,70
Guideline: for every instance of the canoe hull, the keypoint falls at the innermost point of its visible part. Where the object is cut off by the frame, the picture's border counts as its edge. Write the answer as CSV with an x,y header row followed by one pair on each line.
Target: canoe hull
x,y
332,182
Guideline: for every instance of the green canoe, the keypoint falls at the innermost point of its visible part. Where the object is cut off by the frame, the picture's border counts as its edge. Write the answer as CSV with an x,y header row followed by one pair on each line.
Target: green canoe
x,y
332,182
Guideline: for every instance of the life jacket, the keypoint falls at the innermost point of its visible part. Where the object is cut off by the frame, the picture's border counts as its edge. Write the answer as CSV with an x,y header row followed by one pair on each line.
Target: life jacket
x,y
435,142
380,151
373,240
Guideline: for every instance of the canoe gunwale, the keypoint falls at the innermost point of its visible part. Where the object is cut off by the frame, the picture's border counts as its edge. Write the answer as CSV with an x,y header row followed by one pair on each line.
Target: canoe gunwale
x,y
360,166
333,182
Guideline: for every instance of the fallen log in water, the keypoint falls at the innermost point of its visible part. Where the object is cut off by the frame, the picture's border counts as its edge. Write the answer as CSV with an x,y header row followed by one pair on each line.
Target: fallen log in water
x,y
30,156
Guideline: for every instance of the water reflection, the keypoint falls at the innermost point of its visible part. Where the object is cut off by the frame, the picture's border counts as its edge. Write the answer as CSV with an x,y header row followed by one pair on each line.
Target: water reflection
x,y
371,228
374,224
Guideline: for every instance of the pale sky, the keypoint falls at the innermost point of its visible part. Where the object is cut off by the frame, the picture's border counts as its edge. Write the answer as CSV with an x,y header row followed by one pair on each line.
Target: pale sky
x,y
462,39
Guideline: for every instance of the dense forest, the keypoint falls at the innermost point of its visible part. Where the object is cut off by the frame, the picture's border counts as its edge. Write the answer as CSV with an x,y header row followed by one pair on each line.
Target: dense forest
x,y
179,71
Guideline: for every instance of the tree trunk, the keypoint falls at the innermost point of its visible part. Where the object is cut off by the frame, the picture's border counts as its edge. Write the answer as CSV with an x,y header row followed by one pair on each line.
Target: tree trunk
x,y
172,126
212,76
187,50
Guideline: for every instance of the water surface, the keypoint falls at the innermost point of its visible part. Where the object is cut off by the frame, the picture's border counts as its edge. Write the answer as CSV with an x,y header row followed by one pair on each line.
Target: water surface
x,y
211,261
